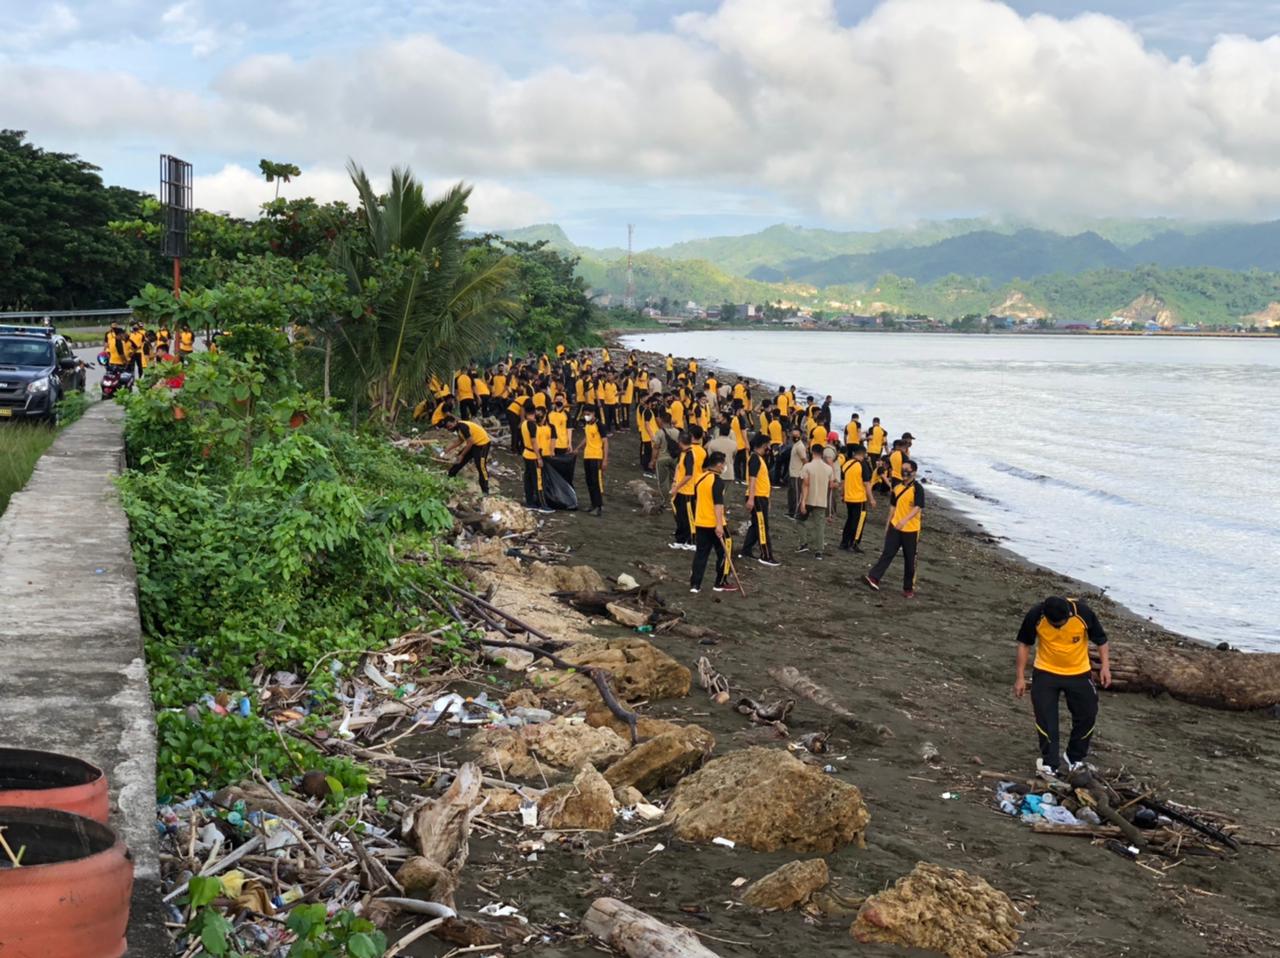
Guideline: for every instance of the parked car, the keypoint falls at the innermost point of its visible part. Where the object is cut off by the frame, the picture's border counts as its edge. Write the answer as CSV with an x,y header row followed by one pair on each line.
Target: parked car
x,y
37,368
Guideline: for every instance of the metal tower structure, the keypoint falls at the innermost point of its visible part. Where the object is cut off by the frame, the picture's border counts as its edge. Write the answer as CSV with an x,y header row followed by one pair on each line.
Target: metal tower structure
x,y
629,301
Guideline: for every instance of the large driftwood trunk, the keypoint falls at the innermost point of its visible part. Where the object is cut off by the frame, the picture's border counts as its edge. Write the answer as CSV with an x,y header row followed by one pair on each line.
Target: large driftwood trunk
x,y
1236,681
637,935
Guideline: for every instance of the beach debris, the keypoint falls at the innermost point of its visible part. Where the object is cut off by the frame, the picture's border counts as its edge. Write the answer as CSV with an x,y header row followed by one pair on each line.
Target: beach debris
x,y
943,910
789,886
652,502
515,660
724,842
715,684
662,760
767,799
586,803
627,583
637,935
929,754
625,615
441,827
814,742
792,679
772,714
638,669
1204,676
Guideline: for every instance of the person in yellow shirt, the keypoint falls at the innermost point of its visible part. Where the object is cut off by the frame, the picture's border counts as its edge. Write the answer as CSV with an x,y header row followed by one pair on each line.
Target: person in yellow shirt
x,y
855,481
688,469
853,431
464,390
546,435
784,404
876,436
559,419
758,489
896,459
775,433
708,514
608,394
647,426
902,532
516,416
186,342
559,350
1060,630
162,338
473,444
604,356
626,400
147,353
137,337
693,367
671,365
531,453
594,447
116,346
483,398
738,428
676,408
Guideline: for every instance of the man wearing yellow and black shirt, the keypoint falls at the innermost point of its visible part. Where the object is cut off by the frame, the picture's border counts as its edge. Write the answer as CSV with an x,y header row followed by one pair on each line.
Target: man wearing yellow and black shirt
x,y
855,481
595,457
137,338
689,468
709,526
474,443
186,342
465,391
559,420
647,426
1060,630
876,436
906,505
531,453
758,489
515,414
853,431
117,346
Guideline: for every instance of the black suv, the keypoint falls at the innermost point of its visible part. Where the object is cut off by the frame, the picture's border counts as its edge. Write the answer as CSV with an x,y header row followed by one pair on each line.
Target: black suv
x,y
37,368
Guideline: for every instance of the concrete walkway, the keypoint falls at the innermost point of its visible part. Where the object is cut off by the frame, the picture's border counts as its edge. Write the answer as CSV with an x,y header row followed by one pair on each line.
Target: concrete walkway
x,y
72,674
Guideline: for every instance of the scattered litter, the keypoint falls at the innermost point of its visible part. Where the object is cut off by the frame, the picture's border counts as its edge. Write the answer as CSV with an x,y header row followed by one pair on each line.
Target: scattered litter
x,y
529,813
951,796
738,882
725,842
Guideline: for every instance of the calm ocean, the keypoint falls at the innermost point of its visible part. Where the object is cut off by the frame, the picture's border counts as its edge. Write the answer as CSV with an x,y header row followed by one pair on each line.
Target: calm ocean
x,y
1147,466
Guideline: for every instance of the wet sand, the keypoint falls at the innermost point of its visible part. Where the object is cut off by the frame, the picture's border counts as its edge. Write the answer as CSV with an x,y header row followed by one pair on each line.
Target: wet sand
x,y
936,669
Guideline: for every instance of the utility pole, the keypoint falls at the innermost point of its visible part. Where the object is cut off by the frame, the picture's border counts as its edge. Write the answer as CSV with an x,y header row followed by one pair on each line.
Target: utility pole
x,y
629,301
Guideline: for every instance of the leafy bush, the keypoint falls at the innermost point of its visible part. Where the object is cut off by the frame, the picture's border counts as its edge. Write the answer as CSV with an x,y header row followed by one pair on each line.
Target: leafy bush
x,y
266,537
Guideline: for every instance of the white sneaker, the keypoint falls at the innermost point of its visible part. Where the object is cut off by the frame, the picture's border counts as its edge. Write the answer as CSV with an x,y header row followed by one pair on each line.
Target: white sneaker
x,y
1045,772
694,591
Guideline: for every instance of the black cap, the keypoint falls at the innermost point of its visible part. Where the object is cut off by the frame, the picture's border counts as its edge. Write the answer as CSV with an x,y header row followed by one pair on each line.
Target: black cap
x,y
907,435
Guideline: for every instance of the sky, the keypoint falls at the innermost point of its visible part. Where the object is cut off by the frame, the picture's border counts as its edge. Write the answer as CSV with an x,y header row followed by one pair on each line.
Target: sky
x,y
688,118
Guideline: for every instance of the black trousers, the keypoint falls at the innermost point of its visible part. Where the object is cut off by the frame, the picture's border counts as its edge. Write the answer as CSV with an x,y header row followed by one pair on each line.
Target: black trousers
x,y
467,409
706,540
532,483
854,522
893,541
480,456
684,520
1082,703
513,423
759,531
646,457
595,486
740,465
610,416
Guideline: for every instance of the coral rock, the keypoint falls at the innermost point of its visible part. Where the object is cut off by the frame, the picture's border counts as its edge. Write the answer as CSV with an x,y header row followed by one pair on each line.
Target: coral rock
x,y
788,886
587,802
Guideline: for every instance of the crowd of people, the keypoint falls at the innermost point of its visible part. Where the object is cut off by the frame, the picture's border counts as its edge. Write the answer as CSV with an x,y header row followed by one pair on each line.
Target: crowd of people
x,y
699,433
139,347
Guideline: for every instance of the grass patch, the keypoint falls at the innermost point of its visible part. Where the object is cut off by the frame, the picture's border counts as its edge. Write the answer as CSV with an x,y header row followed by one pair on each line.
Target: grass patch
x,y
21,445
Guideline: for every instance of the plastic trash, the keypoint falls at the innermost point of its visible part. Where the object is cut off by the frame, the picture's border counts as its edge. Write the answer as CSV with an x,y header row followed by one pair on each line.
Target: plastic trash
x,y
450,703
627,583
724,842
644,629
245,707
1048,798
1058,815
532,716
1088,816
529,813
1008,807
951,796
499,910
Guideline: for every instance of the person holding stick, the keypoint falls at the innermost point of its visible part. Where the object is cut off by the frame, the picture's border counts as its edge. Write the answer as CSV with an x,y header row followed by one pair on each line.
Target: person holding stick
x,y
709,525
474,443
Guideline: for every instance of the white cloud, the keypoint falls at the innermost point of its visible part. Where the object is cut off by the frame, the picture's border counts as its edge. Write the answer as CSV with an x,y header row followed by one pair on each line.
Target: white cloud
x,y
241,192
923,107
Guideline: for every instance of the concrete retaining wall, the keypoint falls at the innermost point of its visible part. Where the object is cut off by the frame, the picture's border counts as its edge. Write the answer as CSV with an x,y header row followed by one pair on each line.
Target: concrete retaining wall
x,y
73,677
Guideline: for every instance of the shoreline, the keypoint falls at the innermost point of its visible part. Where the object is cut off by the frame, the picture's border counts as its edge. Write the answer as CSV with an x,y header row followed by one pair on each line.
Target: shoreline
x,y
940,504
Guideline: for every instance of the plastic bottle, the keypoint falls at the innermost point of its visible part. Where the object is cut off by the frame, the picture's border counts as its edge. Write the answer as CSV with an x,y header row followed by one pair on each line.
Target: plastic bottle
x,y
1008,807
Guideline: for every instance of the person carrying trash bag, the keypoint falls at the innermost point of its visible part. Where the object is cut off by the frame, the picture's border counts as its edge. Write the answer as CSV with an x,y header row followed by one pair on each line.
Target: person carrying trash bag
x,y
532,456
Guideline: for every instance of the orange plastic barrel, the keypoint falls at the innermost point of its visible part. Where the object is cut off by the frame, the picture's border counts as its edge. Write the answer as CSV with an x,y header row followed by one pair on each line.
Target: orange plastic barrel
x,y
35,779
70,897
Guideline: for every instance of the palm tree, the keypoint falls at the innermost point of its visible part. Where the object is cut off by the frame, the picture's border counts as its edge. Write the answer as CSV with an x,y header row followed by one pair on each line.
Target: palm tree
x,y
439,307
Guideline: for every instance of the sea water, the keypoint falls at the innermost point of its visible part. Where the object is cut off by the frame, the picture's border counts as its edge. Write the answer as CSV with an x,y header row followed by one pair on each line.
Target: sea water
x,y
1146,466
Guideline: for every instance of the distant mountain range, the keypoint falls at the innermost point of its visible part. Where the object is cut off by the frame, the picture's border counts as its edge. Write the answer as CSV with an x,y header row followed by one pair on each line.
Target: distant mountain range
x,y
958,266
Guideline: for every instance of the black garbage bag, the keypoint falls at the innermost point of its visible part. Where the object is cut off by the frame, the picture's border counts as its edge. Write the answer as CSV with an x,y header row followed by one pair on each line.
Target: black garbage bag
x,y
557,492
564,463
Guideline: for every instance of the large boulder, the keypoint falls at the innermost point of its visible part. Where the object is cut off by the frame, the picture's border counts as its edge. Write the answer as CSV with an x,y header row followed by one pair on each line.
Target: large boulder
x,y
663,760
941,909
639,671
788,886
587,802
599,716
766,799
530,751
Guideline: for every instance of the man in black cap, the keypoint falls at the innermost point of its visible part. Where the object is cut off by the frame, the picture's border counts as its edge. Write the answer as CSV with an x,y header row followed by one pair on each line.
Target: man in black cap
x,y
1061,630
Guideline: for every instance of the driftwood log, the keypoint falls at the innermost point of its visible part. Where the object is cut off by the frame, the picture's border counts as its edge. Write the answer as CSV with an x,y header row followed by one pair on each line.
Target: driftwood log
x,y
638,935
1235,681
442,828
791,678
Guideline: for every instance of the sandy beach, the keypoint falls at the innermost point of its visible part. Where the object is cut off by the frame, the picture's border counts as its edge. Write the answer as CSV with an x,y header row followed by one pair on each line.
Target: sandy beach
x,y
937,669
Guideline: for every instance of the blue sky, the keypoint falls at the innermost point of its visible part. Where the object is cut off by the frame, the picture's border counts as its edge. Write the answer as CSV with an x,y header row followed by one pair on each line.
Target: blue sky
x,y
686,117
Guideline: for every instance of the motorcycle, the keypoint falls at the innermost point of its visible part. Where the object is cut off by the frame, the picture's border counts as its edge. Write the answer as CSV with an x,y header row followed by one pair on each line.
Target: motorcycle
x,y
116,378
